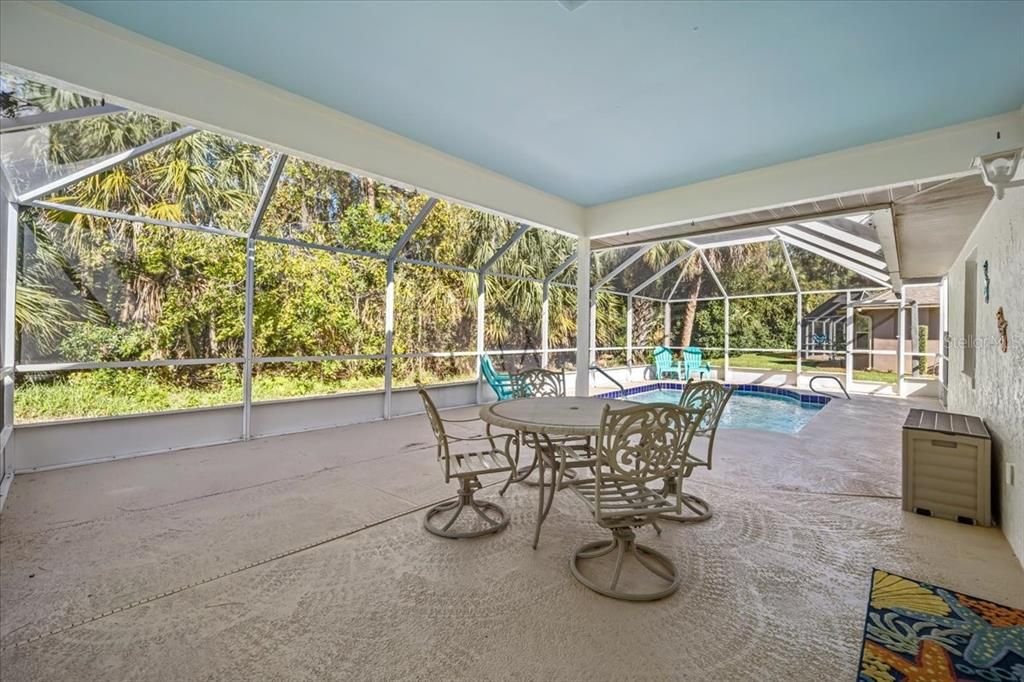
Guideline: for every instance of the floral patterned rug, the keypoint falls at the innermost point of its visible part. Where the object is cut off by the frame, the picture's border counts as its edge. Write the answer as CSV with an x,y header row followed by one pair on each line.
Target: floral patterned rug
x,y
916,632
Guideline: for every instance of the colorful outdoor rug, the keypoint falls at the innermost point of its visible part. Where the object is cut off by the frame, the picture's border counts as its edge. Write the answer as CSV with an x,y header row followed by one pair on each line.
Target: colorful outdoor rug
x,y
921,633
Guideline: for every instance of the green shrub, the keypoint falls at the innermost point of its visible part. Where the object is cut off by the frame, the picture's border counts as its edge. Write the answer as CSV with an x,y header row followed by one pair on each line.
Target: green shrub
x,y
88,342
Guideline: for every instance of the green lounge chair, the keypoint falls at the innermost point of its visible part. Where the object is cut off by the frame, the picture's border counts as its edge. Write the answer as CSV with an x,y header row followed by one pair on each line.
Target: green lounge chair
x,y
501,384
664,364
693,361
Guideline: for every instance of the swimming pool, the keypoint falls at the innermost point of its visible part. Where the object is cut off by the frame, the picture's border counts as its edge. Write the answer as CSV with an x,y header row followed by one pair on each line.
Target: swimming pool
x,y
751,407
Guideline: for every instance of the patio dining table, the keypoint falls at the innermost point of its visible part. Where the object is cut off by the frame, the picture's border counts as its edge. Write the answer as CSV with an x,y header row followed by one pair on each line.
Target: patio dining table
x,y
571,416
544,418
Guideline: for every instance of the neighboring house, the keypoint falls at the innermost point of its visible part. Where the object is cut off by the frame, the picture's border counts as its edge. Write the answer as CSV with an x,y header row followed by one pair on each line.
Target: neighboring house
x,y
876,328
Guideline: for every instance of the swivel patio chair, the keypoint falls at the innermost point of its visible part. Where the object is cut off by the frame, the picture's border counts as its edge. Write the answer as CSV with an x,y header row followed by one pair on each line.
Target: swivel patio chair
x,y
712,397
665,364
501,384
576,452
636,447
538,383
472,458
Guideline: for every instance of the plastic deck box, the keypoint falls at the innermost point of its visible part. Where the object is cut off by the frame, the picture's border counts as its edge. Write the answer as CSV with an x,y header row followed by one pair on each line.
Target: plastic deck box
x,y
947,467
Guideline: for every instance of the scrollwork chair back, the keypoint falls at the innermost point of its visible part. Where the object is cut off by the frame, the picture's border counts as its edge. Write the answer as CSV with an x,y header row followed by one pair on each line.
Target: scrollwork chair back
x,y
539,383
639,445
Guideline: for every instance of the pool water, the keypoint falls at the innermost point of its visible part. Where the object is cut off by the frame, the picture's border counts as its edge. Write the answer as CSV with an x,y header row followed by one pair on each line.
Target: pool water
x,y
749,410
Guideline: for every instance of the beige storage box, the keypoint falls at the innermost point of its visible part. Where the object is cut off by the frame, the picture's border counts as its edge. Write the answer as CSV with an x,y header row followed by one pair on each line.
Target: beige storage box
x,y
947,460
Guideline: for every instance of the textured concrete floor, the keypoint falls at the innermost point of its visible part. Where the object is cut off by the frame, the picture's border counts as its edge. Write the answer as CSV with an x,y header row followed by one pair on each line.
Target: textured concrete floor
x,y
774,584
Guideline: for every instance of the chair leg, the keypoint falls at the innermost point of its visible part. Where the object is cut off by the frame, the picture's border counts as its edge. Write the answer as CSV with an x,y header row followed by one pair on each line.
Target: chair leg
x,y
625,546
514,475
542,507
465,500
699,508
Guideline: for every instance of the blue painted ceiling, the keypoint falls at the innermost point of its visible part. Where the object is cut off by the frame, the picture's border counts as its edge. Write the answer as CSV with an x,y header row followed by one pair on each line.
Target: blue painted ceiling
x,y
617,99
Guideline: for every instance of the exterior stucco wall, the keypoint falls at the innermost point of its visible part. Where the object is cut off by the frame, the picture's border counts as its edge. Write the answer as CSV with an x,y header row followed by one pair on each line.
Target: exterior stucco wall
x,y
998,392
885,336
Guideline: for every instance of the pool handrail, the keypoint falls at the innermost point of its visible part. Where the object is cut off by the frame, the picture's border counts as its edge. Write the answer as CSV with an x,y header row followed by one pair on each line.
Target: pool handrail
x,y
810,385
609,377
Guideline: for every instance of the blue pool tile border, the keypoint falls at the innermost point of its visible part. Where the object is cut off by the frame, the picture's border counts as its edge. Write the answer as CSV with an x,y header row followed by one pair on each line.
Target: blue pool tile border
x,y
806,398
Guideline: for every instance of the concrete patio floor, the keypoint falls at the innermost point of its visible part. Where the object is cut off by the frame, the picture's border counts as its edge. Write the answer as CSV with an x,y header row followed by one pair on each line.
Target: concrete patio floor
x,y
303,557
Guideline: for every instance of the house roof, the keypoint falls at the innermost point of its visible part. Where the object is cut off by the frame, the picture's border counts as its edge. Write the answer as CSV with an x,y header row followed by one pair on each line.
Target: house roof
x,y
923,296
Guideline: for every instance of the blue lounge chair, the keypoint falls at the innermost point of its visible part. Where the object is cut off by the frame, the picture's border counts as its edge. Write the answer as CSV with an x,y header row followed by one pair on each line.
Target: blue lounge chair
x,y
501,384
693,361
664,364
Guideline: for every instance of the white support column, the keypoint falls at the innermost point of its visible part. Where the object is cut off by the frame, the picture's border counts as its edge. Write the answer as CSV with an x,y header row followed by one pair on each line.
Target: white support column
x,y
668,324
592,336
725,359
584,307
915,338
849,340
799,308
943,330
545,325
8,271
480,310
389,301
247,351
389,336
901,342
629,332
799,336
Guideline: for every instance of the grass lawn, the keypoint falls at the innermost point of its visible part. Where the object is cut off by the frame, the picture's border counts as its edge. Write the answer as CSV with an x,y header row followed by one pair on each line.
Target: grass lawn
x,y
106,393
783,362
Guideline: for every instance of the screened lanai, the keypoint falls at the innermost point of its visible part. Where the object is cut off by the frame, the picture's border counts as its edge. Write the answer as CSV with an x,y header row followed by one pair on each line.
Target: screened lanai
x,y
340,341
156,268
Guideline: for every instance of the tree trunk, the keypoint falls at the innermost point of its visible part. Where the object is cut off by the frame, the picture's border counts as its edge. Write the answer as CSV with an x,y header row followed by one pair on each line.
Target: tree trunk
x,y
690,312
370,192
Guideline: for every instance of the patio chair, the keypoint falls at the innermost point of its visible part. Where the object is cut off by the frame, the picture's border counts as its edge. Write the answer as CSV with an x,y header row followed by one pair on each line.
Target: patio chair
x,y
538,383
501,384
636,446
544,383
474,457
693,361
712,397
665,364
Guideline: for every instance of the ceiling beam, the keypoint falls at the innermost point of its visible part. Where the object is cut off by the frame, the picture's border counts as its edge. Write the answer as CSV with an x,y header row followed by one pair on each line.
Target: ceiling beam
x,y
840,248
412,227
934,154
561,268
863,271
623,265
660,273
11,125
268,193
862,235
675,286
520,231
789,264
127,218
843,229
105,164
886,231
690,231
711,271
725,243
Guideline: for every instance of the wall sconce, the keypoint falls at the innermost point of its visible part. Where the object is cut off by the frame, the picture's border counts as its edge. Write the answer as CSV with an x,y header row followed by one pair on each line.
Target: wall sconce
x,y
998,166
